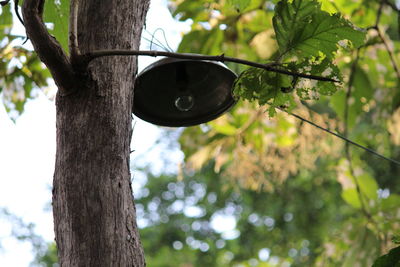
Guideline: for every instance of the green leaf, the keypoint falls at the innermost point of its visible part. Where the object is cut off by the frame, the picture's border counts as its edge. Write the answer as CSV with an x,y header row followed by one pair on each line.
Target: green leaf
x,y
362,84
312,89
239,5
392,259
291,16
222,126
249,84
303,29
57,13
362,93
396,239
266,88
6,21
390,203
368,186
194,10
351,196
337,102
261,21
203,42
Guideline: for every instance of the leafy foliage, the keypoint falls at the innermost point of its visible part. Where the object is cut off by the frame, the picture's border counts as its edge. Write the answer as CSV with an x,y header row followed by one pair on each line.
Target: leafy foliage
x,y
276,89
310,36
304,30
178,219
48,257
265,87
239,5
295,198
389,260
56,13
25,232
259,153
20,69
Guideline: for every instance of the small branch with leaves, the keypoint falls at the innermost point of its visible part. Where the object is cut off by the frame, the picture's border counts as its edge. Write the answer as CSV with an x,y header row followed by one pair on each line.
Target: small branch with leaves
x,y
87,58
381,35
361,197
65,69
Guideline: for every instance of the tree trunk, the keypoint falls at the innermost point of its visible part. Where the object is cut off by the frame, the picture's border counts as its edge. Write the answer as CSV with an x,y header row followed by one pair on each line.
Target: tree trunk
x,y
94,213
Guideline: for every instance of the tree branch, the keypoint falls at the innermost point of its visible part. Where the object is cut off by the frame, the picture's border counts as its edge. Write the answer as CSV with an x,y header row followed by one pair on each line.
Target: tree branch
x,y
73,30
47,47
361,196
346,131
86,58
379,13
382,36
349,92
390,53
392,5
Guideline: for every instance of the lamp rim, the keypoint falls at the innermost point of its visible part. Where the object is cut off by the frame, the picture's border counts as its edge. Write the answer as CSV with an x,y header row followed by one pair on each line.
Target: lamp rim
x,y
171,60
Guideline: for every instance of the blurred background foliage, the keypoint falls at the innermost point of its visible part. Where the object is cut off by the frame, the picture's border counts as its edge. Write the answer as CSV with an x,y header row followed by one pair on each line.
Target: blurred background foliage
x,y
260,191
21,71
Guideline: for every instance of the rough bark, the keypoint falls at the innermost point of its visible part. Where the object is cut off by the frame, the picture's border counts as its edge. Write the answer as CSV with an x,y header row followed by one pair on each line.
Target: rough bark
x,y
94,213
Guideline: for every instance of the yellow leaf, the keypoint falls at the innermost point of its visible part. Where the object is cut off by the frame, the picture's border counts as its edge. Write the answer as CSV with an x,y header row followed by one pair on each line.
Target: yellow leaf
x,y
264,43
197,160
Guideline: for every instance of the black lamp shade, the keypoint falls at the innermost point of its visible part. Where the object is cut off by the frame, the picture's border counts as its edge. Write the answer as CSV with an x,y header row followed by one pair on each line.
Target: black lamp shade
x,y
180,92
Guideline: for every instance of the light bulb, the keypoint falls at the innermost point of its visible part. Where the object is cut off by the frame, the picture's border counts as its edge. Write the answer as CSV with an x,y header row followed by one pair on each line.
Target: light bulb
x,y
184,102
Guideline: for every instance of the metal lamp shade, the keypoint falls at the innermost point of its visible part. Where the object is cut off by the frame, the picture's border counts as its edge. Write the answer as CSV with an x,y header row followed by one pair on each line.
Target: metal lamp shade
x,y
179,92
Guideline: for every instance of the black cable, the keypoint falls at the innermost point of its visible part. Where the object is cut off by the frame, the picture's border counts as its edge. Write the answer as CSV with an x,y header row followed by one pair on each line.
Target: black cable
x,y
342,137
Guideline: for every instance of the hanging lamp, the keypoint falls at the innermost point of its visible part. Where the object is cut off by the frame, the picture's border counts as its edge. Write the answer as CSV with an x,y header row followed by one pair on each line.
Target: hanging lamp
x,y
182,92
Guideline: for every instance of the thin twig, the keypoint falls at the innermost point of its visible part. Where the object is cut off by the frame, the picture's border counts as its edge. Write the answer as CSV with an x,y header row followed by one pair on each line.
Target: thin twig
x,y
390,52
379,13
250,122
392,5
349,91
382,37
221,58
364,209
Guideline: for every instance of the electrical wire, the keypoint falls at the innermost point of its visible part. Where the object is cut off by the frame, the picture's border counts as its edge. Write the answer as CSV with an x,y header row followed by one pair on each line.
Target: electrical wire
x,y
154,40
156,44
167,48
342,137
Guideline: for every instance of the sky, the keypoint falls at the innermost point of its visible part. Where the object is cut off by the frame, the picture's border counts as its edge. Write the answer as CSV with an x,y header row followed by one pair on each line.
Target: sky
x,y
27,151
